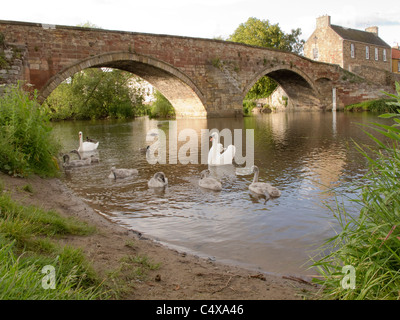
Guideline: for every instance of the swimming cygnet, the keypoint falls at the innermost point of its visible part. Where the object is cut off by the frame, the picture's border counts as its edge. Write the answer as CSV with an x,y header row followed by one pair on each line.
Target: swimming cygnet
x,y
209,182
263,188
122,173
158,180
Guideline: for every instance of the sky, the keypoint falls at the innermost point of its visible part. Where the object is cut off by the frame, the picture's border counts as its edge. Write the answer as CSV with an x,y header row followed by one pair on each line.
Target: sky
x,y
207,18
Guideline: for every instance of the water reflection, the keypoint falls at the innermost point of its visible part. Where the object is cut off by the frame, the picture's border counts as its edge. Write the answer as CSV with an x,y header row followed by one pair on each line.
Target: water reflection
x,y
305,155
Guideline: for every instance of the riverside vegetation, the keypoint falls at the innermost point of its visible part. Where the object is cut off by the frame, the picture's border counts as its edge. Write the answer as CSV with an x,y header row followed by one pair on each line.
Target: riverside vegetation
x,y
100,93
370,241
29,235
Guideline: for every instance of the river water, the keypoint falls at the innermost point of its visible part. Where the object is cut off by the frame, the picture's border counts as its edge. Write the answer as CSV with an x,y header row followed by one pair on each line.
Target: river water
x,y
306,155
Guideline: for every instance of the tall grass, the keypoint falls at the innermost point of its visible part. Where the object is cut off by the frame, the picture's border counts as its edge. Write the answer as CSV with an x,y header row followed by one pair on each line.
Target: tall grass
x,y
22,278
26,143
369,241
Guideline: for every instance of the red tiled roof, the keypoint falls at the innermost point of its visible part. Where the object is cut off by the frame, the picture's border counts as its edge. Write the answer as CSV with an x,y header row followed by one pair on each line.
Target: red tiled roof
x,y
395,53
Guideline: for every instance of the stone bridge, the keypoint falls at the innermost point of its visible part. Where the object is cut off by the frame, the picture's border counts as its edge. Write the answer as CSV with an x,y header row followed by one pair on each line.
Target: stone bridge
x,y
200,77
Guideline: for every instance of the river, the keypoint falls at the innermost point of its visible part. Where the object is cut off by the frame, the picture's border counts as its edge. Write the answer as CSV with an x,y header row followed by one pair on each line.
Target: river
x,y
306,155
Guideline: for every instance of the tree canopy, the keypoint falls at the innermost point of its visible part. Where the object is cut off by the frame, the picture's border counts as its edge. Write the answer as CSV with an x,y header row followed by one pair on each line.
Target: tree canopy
x,y
96,93
262,33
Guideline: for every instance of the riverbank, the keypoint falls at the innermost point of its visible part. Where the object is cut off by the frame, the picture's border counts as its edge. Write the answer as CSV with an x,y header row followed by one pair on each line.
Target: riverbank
x,y
178,276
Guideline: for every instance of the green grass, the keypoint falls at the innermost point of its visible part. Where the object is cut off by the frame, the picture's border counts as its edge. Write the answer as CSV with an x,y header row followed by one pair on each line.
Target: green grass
x,y
28,243
132,269
370,240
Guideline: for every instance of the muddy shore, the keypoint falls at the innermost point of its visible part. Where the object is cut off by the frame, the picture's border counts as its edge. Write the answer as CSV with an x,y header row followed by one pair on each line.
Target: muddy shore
x,y
181,276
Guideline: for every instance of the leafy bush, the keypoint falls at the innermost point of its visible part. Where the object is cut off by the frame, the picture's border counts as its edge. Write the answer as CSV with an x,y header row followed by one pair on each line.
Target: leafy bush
x,y
161,108
380,105
26,143
248,106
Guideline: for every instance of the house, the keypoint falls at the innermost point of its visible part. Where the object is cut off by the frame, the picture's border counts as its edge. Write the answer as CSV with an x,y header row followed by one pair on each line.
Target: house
x,y
396,59
349,48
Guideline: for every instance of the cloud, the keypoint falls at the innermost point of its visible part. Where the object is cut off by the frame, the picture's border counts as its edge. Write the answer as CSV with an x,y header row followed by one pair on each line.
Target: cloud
x,y
375,21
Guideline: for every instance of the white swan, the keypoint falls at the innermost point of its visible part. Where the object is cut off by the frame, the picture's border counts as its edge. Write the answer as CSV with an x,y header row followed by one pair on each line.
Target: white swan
x,y
86,146
74,163
158,181
122,173
215,157
209,182
263,188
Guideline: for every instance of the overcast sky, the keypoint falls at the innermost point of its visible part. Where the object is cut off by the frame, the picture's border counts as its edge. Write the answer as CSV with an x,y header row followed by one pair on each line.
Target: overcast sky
x,y
207,18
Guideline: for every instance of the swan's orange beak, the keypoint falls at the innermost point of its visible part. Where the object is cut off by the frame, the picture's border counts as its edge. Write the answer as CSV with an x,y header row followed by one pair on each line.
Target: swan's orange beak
x,y
211,139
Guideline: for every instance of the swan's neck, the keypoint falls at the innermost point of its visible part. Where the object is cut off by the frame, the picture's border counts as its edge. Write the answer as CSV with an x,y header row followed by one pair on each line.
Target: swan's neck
x,y
214,146
66,158
255,179
80,142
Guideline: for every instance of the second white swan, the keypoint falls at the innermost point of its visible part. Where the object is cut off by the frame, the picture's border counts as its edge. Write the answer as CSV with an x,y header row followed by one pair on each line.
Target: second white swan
x,y
215,157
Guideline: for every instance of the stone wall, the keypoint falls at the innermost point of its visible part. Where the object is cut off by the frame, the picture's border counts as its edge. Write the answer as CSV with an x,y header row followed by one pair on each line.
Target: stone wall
x,y
277,101
200,77
359,60
333,49
12,62
326,41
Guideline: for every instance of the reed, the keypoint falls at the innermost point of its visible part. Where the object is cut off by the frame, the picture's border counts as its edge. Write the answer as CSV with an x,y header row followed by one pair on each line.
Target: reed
x,y
370,240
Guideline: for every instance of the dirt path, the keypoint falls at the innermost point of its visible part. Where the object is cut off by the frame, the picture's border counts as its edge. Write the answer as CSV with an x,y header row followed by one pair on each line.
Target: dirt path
x,y
180,275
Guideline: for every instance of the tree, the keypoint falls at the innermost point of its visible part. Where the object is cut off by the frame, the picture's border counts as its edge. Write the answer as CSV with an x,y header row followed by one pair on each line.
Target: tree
x,y
96,93
262,33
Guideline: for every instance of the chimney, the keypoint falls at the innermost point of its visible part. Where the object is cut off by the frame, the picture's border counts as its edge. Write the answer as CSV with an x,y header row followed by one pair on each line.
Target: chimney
x,y
373,30
323,22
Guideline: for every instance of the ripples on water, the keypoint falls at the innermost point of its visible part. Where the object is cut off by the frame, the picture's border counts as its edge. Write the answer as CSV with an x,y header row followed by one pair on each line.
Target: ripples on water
x,y
305,155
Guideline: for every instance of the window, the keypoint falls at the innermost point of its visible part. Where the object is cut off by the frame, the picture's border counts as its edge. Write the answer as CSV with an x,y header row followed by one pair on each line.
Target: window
x,y
398,66
315,53
367,52
376,54
352,50
384,55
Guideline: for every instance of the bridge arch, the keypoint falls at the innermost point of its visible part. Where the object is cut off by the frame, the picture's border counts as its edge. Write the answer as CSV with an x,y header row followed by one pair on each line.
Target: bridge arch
x,y
186,98
300,88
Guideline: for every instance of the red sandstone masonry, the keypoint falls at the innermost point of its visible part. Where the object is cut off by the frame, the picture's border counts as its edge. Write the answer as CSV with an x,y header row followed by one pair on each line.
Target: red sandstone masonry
x,y
199,76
